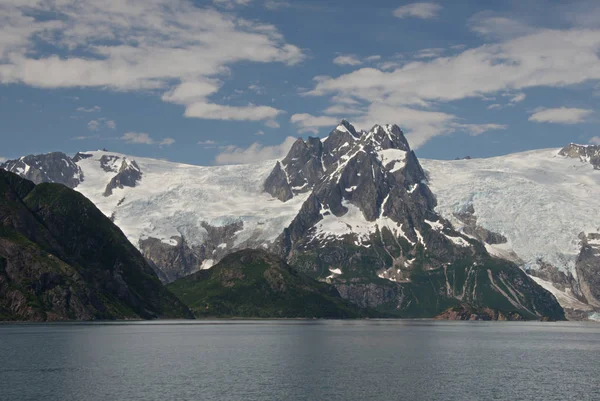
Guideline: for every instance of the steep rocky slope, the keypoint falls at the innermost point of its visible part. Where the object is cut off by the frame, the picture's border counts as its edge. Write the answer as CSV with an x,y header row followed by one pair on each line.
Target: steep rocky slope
x,y
61,258
537,204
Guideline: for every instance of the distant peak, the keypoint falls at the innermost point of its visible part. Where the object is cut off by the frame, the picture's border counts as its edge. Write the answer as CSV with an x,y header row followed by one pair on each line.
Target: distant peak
x,y
345,126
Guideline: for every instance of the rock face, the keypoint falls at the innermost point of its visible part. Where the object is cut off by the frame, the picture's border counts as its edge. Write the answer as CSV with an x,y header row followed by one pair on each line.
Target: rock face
x,y
586,153
254,283
277,184
470,227
178,258
62,259
128,176
588,269
50,167
369,227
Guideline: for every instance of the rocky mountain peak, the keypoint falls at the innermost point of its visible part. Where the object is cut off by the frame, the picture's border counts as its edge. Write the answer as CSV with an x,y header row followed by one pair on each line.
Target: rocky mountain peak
x,y
585,153
344,152
129,175
49,167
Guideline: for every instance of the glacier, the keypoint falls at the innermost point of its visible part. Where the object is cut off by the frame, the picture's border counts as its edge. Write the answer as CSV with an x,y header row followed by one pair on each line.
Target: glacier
x,y
540,201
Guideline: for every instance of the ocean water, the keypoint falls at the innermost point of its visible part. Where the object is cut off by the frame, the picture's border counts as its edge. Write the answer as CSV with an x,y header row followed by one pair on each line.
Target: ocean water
x,y
300,360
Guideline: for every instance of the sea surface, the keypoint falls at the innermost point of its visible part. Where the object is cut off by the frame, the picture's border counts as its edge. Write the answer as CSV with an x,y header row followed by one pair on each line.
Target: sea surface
x,y
300,360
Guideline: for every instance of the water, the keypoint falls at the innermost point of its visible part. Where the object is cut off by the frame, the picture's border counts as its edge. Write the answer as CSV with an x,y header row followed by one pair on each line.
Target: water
x,y
300,360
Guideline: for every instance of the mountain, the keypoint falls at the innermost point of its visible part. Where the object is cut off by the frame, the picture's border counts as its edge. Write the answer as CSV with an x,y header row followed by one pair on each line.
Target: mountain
x,y
50,167
354,210
62,259
255,283
541,204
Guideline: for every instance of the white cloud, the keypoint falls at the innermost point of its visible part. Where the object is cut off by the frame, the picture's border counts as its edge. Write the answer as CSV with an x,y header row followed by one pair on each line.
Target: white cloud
x,y
309,123
93,109
166,142
277,4
211,111
137,137
2,159
207,142
478,129
595,140
137,44
347,59
229,4
518,98
259,90
272,124
418,10
416,90
429,53
93,125
375,57
143,138
561,115
259,133
494,26
494,106
254,153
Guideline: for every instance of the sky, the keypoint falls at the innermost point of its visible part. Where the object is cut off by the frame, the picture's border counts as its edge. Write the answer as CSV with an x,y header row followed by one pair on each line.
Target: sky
x,y
237,81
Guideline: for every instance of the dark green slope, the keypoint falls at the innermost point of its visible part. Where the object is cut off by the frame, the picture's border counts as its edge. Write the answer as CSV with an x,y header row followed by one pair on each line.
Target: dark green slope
x,y
491,286
254,283
61,258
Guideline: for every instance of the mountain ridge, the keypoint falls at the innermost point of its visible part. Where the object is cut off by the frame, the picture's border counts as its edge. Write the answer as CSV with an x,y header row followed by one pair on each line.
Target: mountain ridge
x,y
207,233
62,259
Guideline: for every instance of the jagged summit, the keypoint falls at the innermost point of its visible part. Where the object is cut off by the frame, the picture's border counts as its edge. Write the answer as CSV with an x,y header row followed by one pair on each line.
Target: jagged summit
x,y
585,153
48,167
310,161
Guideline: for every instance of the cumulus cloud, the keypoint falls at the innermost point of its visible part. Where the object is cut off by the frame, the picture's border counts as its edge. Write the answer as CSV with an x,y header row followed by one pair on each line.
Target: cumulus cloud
x,y
309,123
254,153
143,138
171,46
347,59
2,159
137,137
418,10
93,125
561,115
412,93
259,133
595,140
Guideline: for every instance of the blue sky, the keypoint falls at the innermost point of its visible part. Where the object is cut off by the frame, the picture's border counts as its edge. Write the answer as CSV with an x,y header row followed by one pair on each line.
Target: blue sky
x,y
232,81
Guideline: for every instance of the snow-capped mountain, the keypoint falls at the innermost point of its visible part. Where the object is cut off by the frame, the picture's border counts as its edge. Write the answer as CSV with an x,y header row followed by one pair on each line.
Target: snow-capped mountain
x,y
357,209
540,201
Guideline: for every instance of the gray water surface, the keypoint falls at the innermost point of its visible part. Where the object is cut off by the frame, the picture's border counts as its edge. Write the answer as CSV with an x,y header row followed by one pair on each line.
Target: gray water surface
x,y
300,360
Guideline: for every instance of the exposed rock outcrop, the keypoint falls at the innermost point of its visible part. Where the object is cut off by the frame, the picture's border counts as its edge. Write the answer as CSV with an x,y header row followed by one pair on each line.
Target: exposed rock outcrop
x,y
129,175
49,167
585,153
